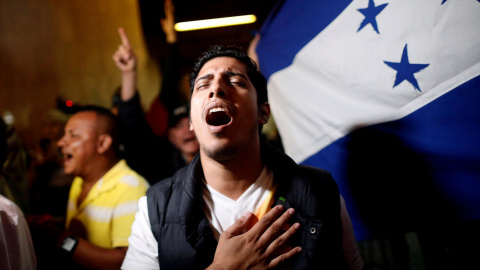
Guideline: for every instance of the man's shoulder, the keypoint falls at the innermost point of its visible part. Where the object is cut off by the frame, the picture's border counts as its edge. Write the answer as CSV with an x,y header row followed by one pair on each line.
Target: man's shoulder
x,y
308,185
133,180
316,172
291,175
282,163
123,174
165,186
319,178
161,186
164,195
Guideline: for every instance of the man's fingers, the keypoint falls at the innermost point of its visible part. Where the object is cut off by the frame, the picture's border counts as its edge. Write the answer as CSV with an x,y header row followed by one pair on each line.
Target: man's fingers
x,y
123,36
265,222
278,245
284,257
117,59
168,7
125,51
240,226
276,228
123,54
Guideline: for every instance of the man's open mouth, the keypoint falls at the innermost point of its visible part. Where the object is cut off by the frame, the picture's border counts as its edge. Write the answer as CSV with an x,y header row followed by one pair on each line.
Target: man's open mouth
x,y
218,117
67,157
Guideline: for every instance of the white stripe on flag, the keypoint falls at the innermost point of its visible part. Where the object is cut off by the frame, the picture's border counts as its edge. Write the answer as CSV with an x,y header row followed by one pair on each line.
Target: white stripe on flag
x,y
339,81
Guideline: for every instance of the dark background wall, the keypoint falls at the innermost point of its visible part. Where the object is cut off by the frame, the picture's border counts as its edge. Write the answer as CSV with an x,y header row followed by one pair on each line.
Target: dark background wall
x,y
52,48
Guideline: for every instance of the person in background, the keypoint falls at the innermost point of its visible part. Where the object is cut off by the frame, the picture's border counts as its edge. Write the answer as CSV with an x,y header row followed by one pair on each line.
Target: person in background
x,y
16,247
240,203
14,169
4,188
157,153
181,137
49,185
103,196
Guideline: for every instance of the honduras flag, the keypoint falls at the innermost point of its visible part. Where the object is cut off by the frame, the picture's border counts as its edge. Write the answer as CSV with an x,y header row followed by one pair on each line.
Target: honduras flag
x,y
385,94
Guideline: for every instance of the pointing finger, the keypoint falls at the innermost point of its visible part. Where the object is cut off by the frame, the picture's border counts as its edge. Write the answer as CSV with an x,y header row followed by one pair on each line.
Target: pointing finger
x,y
123,36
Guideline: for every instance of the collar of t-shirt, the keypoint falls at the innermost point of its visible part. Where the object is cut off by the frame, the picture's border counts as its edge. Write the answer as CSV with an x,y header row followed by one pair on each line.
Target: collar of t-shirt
x,y
222,211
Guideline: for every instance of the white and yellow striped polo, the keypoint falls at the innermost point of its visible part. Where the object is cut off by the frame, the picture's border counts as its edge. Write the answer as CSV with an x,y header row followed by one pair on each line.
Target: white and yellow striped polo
x,y
108,211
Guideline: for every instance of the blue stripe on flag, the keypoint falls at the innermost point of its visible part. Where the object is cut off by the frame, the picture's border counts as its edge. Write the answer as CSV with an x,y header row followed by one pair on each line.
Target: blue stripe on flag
x,y
421,169
279,51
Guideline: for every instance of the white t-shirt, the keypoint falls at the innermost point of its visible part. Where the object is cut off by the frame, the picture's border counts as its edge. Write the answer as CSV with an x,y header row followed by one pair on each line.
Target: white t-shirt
x,y
16,247
222,212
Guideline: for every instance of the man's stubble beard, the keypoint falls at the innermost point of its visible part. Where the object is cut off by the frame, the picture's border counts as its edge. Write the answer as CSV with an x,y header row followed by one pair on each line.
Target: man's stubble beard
x,y
220,152
227,151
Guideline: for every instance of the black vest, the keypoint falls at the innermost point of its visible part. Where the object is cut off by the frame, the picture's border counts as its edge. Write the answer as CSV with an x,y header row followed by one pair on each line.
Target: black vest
x,y
185,240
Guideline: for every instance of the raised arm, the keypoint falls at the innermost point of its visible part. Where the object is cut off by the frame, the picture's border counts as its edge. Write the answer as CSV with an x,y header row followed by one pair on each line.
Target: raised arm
x,y
168,23
147,154
127,63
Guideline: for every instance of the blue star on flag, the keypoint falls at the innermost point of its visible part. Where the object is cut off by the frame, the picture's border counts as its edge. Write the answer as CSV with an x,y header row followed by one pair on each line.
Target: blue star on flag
x,y
370,14
405,70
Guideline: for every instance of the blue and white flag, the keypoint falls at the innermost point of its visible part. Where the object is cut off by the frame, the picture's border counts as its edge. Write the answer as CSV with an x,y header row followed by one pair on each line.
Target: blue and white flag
x,y
386,96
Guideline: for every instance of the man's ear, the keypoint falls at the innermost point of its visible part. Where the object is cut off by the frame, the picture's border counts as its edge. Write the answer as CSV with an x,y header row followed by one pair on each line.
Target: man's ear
x,y
104,142
264,113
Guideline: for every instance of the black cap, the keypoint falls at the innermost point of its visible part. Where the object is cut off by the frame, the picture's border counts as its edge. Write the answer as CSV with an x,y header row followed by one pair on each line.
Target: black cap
x,y
177,114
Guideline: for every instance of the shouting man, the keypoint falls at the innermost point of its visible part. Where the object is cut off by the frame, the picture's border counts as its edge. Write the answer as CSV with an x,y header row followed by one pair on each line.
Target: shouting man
x,y
240,203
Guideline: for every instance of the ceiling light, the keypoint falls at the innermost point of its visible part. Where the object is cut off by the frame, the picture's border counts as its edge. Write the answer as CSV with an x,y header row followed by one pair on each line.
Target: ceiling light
x,y
212,23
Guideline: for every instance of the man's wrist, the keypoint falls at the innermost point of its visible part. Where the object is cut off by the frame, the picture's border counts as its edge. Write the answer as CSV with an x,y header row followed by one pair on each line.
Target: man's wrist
x,y
131,72
69,244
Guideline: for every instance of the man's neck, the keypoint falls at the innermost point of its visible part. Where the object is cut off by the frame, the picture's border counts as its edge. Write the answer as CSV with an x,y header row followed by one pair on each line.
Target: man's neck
x,y
233,177
101,167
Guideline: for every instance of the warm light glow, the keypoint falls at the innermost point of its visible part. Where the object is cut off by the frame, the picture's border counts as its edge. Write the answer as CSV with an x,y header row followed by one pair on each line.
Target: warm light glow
x,y
69,103
212,23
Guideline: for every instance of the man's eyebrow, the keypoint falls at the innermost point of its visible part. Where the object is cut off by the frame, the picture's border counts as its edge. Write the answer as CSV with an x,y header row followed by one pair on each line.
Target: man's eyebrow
x,y
208,76
233,74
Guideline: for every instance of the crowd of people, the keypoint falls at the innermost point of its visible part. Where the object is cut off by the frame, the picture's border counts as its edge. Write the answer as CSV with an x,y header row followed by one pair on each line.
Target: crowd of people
x,y
191,184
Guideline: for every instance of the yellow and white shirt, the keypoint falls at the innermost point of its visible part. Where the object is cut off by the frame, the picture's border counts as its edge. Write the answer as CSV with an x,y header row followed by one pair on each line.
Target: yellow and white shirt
x,y
108,211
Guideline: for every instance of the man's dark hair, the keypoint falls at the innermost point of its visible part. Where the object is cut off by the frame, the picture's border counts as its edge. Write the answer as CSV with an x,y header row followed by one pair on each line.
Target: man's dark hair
x,y
107,120
257,79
